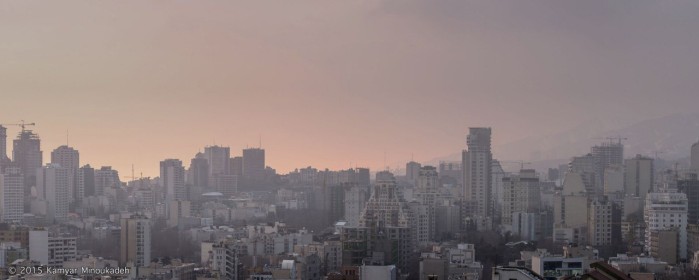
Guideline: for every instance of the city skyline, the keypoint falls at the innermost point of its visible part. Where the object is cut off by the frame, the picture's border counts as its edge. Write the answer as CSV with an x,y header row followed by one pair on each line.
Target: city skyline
x,y
162,80
382,161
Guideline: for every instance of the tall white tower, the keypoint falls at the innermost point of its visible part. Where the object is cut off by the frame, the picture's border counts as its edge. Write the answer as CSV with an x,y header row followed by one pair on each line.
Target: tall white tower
x,y
11,195
172,180
68,158
52,186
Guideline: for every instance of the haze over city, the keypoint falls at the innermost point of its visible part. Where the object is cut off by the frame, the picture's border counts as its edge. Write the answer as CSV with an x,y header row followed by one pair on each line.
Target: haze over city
x,y
349,140
335,84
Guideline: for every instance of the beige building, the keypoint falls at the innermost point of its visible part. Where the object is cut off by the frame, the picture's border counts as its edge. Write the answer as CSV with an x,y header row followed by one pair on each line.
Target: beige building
x,y
135,241
521,193
178,209
570,210
570,205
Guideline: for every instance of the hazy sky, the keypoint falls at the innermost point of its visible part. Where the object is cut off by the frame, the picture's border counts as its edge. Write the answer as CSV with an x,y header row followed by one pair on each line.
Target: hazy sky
x,y
334,83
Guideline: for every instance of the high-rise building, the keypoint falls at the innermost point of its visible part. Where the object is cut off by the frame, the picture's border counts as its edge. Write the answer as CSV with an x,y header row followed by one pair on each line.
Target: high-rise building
x,y
27,154
172,180
553,175
570,210
411,170
226,184
497,188
384,176
52,186
85,185
666,211
599,222
426,193
614,180
690,187
695,157
237,166
219,168
526,225
607,154
448,220
177,210
355,200
11,195
639,177
106,178
363,176
346,176
388,223
421,221
135,241
477,166
334,197
68,158
451,173
199,171
218,158
586,167
3,148
253,166
521,194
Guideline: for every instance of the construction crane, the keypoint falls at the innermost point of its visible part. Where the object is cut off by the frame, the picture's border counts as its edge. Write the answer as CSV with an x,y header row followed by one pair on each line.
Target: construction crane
x,y
618,138
22,124
611,139
133,175
521,163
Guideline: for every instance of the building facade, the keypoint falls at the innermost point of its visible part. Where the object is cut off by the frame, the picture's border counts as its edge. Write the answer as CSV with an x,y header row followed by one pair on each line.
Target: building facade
x,y
135,241
666,211
477,165
11,195
639,177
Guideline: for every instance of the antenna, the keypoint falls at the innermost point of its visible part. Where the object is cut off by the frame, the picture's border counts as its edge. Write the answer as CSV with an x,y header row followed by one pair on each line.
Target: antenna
x,y
67,139
260,141
384,160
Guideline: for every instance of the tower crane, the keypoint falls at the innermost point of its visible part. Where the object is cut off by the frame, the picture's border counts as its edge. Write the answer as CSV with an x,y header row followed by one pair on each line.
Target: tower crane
x,y
611,139
22,124
618,138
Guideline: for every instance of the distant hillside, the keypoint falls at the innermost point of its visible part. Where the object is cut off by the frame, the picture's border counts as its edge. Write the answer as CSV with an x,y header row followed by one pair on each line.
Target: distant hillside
x,y
670,136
